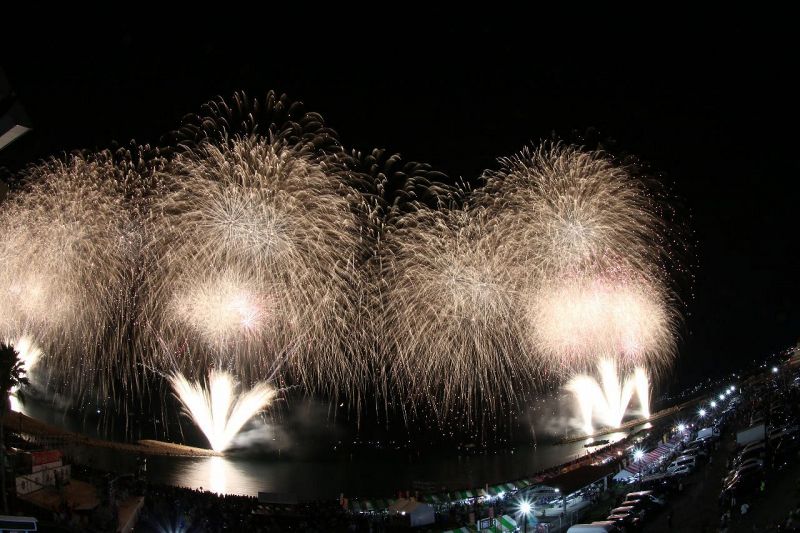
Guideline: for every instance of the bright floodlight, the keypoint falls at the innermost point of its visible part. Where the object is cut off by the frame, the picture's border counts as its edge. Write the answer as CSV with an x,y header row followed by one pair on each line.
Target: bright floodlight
x,y
774,369
501,494
681,427
525,507
721,397
733,387
713,403
637,455
702,413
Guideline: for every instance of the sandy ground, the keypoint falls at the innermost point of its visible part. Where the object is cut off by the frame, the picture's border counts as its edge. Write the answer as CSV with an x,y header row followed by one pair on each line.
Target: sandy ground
x,y
20,423
77,495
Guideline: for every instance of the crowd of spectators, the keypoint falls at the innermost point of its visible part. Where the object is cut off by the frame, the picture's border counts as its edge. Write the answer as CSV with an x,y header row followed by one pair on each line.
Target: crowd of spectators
x,y
169,508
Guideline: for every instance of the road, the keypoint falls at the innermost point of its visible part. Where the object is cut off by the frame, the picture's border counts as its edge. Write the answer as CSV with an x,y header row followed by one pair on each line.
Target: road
x,y
698,509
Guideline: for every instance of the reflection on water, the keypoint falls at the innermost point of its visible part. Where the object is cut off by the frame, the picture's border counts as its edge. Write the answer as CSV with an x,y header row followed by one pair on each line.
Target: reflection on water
x,y
378,473
217,475
362,475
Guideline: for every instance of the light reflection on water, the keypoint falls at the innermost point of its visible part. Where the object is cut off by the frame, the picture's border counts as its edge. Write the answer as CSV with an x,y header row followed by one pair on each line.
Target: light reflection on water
x,y
365,475
369,473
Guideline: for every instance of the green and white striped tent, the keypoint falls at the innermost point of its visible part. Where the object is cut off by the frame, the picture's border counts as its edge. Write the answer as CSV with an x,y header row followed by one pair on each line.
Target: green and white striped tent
x,y
502,525
494,490
370,506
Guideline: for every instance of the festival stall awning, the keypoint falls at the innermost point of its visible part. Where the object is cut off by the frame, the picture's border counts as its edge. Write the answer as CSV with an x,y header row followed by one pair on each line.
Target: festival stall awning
x,y
504,524
507,523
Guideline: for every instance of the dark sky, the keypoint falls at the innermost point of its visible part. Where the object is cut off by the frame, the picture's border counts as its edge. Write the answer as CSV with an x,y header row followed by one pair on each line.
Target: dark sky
x,y
715,113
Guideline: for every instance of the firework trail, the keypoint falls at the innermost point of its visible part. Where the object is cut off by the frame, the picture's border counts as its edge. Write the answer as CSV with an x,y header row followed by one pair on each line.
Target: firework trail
x,y
67,251
217,409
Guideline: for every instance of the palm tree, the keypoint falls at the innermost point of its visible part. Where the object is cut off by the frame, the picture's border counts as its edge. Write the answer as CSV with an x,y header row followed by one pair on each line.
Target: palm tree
x,y
12,376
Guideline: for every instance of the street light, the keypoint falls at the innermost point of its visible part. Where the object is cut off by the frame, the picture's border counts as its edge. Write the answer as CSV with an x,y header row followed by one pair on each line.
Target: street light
x,y
713,403
681,427
774,369
638,454
721,397
525,510
702,413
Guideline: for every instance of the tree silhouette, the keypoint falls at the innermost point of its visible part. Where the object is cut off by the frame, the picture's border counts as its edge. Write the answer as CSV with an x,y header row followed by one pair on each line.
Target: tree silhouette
x,y
12,376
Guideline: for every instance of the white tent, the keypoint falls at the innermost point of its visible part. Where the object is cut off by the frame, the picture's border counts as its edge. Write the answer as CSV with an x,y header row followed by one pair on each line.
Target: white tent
x,y
623,474
419,514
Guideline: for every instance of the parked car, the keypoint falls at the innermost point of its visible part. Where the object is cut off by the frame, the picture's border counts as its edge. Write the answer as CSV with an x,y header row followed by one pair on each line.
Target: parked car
x,y
689,462
753,445
750,467
748,473
656,496
682,471
783,432
647,502
696,451
629,509
755,453
744,484
628,522
608,526
750,462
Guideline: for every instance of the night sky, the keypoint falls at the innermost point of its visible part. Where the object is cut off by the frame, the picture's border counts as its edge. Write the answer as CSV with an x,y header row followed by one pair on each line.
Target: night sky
x,y
715,117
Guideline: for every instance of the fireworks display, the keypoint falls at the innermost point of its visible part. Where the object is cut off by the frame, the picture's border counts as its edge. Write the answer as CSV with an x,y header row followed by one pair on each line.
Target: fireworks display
x,y
254,241
216,407
450,312
607,401
591,250
576,319
68,255
251,255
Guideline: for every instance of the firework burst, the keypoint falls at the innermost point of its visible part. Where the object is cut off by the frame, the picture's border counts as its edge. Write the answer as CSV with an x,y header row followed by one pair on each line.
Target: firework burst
x,y
251,255
589,246
255,241
68,250
450,316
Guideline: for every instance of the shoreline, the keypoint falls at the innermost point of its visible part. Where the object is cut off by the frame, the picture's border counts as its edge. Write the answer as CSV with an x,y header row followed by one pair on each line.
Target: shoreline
x,y
20,423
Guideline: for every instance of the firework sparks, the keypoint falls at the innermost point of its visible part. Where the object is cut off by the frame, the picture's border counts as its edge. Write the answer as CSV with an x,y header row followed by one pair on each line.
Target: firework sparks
x,y
257,236
67,248
574,320
608,400
252,250
588,244
217,409
450,312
